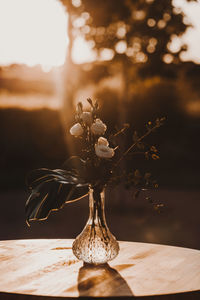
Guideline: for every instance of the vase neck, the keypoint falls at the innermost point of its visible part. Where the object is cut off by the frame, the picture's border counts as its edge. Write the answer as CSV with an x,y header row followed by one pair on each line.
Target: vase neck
x,y
96,206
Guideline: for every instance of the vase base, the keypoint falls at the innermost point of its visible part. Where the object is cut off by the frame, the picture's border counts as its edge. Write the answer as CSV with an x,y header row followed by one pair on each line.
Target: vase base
x,y
95,249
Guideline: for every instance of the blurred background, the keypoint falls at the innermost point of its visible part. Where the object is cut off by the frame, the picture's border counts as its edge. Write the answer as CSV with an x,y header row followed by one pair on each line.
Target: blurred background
x,y
141,60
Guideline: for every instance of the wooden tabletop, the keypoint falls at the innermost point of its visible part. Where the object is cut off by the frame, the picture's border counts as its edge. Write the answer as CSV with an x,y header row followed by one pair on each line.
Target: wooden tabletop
x,y
48,268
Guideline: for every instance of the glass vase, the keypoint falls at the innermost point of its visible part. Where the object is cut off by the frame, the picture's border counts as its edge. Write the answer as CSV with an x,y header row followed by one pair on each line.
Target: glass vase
x,y
95,244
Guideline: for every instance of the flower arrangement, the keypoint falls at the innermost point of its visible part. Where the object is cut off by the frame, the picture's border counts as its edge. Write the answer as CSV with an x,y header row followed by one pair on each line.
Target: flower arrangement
x,y
95,168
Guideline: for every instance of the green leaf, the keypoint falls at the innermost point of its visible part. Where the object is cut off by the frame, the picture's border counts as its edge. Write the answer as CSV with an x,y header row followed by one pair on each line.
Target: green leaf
x,y
50,190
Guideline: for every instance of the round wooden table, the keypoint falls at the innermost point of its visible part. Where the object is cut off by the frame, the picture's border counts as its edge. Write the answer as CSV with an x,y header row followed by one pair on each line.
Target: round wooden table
x,y
49,268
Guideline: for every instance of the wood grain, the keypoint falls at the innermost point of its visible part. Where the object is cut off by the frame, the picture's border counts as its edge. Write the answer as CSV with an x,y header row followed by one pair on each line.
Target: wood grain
x,y
48,268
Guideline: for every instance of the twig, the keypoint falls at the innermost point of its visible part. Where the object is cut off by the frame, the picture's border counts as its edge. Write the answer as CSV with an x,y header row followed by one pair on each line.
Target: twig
x,y
134,144
126,126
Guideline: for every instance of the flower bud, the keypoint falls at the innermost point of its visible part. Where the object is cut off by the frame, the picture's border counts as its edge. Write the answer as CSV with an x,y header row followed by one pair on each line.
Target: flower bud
x,y
102,141
104,151
98,127
76,129
86,117
79,108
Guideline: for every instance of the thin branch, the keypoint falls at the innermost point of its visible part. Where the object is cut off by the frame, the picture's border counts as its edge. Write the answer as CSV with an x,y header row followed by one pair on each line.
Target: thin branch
x,y
137,153
135,144
121,130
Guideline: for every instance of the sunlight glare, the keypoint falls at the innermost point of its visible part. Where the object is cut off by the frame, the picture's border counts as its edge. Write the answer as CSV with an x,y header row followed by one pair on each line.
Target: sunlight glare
x,y
29,101
121,47
82,51
33,32
191,37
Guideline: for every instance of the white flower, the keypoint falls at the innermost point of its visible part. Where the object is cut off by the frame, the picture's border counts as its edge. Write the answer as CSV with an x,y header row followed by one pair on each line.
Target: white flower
x,y
102,141
102,148
86,116
76,129
98,127
104,151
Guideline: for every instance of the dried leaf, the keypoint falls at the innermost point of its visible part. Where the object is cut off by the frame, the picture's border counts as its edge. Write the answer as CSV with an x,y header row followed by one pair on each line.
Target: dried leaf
x,y
136,194
90,101
147,175
137,174
153,149
155,156
135,136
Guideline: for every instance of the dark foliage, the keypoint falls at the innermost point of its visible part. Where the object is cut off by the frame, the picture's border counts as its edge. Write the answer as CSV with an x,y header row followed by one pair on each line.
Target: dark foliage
x,y
50,190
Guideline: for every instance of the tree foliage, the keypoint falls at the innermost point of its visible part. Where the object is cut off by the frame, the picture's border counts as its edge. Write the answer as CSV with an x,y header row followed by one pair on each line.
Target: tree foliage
x,y
135,31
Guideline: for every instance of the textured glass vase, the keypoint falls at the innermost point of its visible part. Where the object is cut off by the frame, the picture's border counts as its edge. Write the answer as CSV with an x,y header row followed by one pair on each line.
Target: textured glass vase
x,y
95,244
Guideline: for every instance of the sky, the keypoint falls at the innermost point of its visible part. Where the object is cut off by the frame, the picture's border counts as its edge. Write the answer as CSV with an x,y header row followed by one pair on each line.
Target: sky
x,y
192,35
35,32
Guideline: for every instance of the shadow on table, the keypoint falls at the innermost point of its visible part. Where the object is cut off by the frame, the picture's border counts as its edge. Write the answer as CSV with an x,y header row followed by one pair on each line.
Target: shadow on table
x,y
101,281
104,282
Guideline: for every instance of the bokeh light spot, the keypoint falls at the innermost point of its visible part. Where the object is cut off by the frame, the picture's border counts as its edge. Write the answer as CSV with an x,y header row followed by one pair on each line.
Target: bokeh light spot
x,y
79,22
121,32
106,54
138,15
82,51
121,47
76,3
136,46
151,48
166,17
153,41
141,57
168,58
151,22
161,24
129,51
175,44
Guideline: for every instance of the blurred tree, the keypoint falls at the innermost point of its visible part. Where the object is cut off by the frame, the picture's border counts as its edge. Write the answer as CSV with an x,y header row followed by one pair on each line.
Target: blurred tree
x,y
131,31
132,40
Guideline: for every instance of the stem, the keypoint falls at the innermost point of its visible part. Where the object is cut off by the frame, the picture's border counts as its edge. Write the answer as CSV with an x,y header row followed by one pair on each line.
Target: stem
x,y
120,131
101,223
93,225
77,199
137,153
98,213
134,144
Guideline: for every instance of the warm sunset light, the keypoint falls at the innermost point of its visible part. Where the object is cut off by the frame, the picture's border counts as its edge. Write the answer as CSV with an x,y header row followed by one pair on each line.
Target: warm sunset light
x,y
29,102
191,37
99,118
33,32
82,51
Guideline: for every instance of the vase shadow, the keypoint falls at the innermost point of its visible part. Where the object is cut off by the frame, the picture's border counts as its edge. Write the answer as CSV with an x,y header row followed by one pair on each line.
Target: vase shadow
x,y
101,281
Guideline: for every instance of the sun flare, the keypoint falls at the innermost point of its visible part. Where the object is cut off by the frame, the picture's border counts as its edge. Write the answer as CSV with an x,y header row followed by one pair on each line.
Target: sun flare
x,y
33,32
